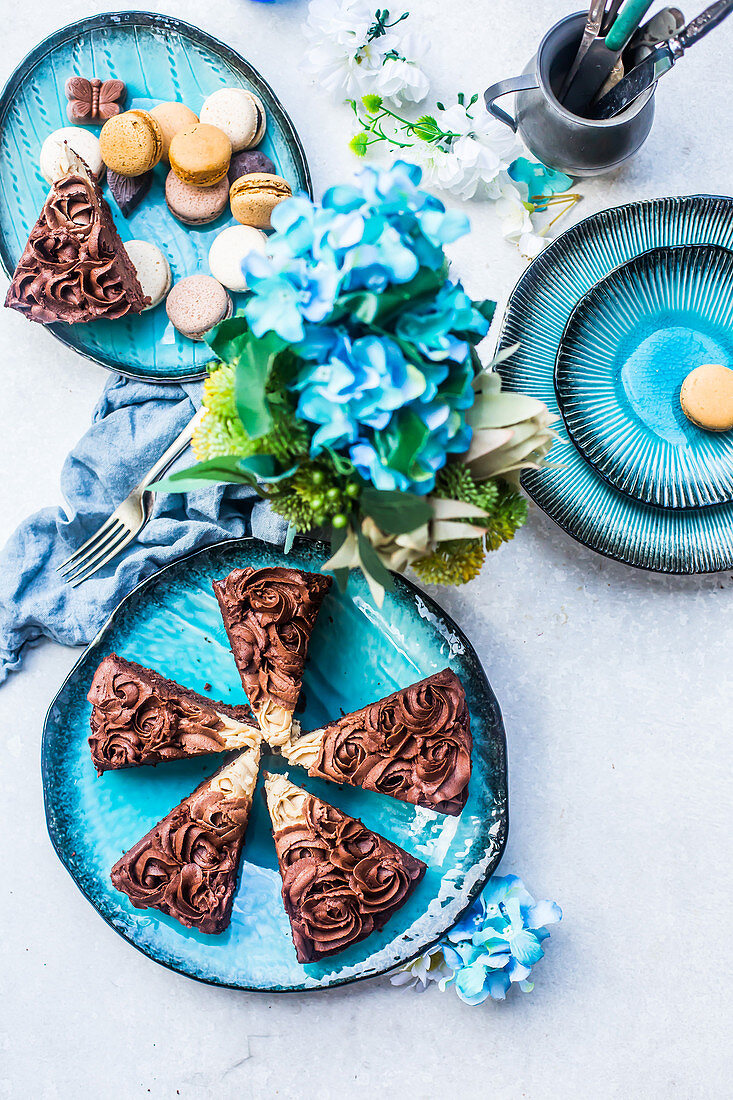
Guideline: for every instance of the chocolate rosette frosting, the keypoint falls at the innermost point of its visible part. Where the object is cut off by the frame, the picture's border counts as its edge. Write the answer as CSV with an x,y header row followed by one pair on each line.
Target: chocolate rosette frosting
x,y
139,717
414,745
269,615
74,267
341,881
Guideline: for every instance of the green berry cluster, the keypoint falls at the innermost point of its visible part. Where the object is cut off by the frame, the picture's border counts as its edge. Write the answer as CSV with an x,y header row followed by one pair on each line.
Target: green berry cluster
x,y
316,495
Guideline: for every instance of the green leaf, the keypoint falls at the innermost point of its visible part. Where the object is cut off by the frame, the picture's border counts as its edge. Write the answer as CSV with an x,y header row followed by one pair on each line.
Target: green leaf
x,y
224,338
486,308
394,512
358,144
372,103
338,537
372,564
400,444
253,366
212,472
426,128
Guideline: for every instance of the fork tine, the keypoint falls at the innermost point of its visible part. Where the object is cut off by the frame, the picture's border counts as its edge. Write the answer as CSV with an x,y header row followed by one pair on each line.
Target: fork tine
x,y
111,547
112,533
89,544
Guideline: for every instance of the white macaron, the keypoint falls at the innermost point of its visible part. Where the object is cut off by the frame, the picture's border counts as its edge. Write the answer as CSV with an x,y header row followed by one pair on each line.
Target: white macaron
x,y
82,142
229,249
153,270
240,114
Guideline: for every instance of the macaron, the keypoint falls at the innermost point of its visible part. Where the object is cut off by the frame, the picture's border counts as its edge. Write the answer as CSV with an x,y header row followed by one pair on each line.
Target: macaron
x,y
200,155
706,397
131,143
229,249
195,205
249,161
196,304
153,270
83,142
240,114
172,117
253,198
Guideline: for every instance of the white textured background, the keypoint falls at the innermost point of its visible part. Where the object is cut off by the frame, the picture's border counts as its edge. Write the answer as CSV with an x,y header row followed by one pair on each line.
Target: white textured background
x,y
615,688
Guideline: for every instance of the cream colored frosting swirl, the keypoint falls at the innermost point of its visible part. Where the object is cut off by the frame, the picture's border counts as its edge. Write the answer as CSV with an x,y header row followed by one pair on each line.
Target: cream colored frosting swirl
x,y
304,751
238,735
238,779
285,801
276,723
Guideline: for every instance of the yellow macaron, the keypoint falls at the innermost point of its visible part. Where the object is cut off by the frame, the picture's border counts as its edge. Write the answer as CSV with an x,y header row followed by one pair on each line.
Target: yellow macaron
x,y
173,117
706,397
254,197
131,143
200,155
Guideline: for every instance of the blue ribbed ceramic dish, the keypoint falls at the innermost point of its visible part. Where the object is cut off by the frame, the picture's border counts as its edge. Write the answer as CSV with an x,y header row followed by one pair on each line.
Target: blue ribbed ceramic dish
x,y
159,58
628,346
357,654
574,494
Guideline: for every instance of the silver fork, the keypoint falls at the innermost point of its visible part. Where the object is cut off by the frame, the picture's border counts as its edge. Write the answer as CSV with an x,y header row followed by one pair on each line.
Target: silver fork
x,y
126,521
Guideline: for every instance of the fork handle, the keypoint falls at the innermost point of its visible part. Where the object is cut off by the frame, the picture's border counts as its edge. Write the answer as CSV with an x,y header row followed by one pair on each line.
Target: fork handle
x,y
176,448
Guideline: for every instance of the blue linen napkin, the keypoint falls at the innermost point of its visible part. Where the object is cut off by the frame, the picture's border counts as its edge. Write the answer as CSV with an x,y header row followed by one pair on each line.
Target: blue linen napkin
x,y
132,425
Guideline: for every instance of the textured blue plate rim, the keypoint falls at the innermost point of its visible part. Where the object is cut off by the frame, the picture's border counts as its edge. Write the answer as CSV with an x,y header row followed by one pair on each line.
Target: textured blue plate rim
x,y
498,735
526,480
143,19
642,256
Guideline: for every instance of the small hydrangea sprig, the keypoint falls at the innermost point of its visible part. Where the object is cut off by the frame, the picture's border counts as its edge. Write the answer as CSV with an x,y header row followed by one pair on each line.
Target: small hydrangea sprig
x,y
349,393
494,946
355,49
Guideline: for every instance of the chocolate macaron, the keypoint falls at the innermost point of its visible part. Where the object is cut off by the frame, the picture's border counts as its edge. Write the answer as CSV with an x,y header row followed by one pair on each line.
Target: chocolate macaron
x,y
253,198
249,161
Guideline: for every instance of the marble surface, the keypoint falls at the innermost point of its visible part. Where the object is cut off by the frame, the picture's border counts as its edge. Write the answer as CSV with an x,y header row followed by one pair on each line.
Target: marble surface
x,y
615,687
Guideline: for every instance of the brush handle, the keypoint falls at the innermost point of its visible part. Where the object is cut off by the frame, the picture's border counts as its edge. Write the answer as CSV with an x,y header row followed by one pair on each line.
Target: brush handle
x,y
626,23
705,22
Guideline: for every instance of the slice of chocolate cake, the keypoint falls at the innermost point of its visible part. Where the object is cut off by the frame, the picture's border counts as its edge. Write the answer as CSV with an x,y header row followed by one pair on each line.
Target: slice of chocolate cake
x,y
269,615
341,881
139,717
74,267
414,745
187,865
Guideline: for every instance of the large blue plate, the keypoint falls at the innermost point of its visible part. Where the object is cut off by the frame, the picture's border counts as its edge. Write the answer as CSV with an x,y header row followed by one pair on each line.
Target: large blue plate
x,y
573,493
159,58
358,653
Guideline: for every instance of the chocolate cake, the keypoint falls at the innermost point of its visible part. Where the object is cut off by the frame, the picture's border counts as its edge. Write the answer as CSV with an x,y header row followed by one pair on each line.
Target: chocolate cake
x,y
74,267
269,615
414,745
187,865
341,881
139,717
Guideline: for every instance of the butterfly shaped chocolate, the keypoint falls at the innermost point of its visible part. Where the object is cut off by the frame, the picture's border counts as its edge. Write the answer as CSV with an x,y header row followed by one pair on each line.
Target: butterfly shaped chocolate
x,y
93,100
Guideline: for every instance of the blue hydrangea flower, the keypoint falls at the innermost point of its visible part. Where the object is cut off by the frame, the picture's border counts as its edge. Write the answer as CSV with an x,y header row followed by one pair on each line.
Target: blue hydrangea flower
x,y
540,180
432,325
497,942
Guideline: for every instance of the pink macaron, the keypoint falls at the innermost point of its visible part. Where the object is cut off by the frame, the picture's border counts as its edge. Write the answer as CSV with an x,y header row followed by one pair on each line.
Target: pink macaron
x,y
196,304
195,205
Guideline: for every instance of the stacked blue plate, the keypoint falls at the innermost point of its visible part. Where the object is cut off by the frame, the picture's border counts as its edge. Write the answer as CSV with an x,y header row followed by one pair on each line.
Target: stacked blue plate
x,y
610,319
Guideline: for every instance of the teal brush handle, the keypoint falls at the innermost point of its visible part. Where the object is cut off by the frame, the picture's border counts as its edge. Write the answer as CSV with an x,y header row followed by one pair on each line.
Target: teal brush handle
x,y
626,23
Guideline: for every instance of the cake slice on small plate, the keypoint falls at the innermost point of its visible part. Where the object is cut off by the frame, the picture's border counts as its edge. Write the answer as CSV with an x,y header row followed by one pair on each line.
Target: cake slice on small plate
x,y
269,615
139,717
187,865
414,745
341,881
74,267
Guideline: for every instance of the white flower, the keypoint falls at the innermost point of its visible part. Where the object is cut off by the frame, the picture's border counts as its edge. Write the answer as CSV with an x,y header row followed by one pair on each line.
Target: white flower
x,y
418,974
515,213
475,154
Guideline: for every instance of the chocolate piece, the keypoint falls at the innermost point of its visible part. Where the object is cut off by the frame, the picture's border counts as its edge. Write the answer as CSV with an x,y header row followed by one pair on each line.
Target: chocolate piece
x,y
249,161
129,191
74,267
139,717
269,615
187,865
93,100
414,745
341,881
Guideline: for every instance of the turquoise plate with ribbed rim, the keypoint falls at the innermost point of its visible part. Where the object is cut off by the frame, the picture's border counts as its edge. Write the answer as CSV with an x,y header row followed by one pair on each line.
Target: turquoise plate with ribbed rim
x,y
159,58
357,654
586,268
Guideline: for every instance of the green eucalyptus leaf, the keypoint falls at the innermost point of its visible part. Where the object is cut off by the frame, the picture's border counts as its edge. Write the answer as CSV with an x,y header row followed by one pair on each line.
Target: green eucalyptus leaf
x,y
253,364
224,338
372,564
214,471
394,512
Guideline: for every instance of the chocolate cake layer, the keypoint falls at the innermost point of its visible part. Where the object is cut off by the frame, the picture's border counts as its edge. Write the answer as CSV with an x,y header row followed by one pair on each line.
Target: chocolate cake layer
x,y
269,615
414,745
74,267
187,865
139,717
341,881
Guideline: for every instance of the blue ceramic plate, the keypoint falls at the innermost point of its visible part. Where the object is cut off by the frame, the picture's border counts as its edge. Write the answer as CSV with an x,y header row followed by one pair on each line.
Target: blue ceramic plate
x,y
628,346
357,654
574,494
159,58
